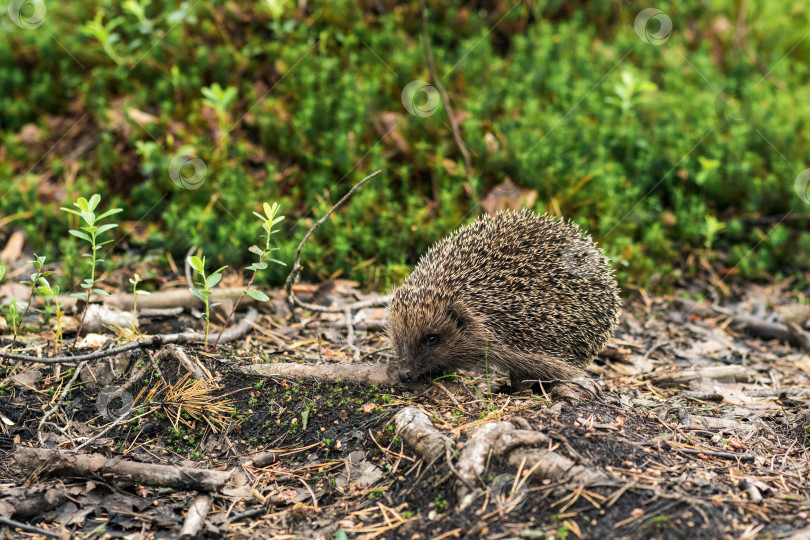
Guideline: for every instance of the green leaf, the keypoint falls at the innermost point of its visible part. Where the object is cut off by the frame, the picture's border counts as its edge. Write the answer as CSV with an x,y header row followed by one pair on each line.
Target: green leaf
x,y
218,270
109,213
196,263
78,295
258,215
257,250
105,228
81,235
75,212
259,296
102,292
198,294
142,292
45,290
260,265
278,262
215,304
81,203
94,200
268,210
212,281
2,271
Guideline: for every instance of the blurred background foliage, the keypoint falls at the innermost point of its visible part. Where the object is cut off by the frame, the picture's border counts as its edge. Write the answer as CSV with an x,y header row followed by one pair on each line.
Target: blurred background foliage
x,y
672,155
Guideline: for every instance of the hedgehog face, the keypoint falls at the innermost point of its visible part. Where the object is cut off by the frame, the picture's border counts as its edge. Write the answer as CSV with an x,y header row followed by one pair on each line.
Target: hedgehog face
x,y
429,335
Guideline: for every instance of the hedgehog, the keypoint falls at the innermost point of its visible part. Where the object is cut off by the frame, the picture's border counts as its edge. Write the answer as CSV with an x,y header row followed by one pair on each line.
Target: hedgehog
x,y
529,293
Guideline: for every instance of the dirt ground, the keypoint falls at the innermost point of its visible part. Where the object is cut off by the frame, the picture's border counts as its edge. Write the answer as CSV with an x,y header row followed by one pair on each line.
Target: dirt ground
x,y
699,431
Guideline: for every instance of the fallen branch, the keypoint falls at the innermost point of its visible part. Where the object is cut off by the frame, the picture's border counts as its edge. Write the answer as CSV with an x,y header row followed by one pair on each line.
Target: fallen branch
x,y
33,500
195,518
119,470
155,341
762,328
673,378
159,300
351,373
710,453
715,395
753,325
800,335
29,528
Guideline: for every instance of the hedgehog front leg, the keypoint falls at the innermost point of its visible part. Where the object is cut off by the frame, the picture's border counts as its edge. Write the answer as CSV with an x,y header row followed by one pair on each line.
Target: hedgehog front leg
x,y
519,382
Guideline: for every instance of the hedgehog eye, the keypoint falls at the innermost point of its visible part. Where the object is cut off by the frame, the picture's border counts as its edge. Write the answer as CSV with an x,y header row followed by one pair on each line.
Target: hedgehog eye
x,y
431,340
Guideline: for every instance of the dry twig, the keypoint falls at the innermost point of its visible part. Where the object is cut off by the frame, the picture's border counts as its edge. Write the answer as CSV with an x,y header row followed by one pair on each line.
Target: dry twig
x,y
292,300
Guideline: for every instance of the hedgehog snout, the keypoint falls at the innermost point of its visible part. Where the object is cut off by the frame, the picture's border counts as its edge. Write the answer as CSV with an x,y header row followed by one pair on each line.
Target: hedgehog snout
x,y
405,376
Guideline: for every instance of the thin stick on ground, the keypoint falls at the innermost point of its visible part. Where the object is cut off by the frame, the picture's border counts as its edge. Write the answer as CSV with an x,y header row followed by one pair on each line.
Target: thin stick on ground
x,y
465,154
155,341
59,401
296,269
26,527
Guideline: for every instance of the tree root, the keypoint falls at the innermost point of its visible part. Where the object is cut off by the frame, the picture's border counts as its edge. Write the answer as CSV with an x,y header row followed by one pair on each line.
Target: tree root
x,y
501,440
416,429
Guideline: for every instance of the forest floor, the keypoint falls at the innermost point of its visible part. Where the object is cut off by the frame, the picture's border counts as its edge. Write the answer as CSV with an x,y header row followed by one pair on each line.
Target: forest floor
x,y
699,431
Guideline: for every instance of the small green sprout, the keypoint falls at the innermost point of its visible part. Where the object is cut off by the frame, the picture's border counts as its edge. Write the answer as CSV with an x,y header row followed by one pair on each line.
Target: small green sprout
x,y
90,233
269,220
45,289
206,283
220,99
38,263
135,279
104,33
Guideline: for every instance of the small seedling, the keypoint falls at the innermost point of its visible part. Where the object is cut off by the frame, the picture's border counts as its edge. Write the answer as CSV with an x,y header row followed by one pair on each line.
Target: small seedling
x,y
45,289
38,263
206,283
135,292
269,220
90,233
630,92
12,315
104,34
220,99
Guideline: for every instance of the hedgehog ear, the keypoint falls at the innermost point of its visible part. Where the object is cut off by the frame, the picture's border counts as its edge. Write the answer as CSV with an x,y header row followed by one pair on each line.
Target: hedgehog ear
x,y
456,316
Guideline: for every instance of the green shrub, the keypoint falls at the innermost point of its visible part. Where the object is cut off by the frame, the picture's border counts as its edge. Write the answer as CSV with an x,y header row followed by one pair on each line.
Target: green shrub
x,y
656,150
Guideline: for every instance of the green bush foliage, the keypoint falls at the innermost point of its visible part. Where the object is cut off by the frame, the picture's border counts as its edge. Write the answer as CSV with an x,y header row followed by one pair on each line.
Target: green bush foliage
x,y
190,116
